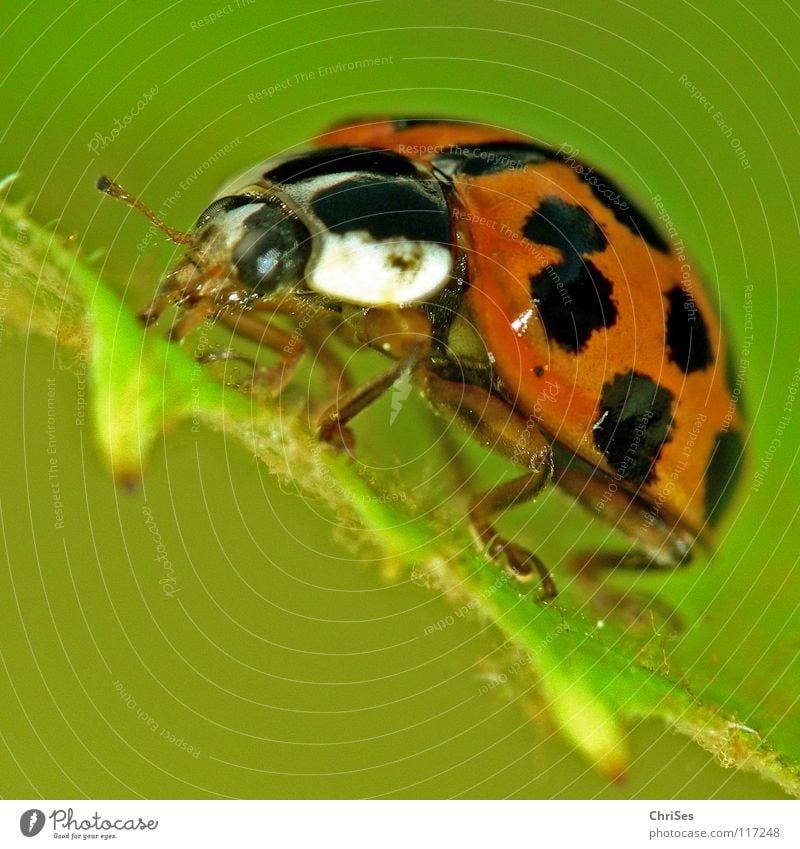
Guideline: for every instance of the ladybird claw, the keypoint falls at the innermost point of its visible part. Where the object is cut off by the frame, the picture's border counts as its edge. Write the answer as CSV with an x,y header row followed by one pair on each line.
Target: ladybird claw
x,y
174,334
340,437
523,565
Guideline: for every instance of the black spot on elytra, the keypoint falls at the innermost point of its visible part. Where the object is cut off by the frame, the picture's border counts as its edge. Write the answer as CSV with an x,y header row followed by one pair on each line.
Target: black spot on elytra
x,y
623,209
341,160
687,339
723,472
394,209
564,226
635,421
573,301
490,158
538,371
574,296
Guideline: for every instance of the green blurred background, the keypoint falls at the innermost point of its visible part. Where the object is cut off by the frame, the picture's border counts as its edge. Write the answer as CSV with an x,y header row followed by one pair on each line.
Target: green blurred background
x,y
286,666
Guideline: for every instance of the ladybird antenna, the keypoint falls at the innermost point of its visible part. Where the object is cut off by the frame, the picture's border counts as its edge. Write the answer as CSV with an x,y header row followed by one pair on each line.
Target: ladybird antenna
x,y
114,190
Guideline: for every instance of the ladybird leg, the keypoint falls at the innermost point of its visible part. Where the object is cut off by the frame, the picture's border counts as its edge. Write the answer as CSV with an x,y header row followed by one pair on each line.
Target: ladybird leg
x,y
496,425
290,305
168,293
311,322
332,423
151,313
261,380
487,506
267,379
660,544
175,288
191,319
403,334
317,338
275,338
630,604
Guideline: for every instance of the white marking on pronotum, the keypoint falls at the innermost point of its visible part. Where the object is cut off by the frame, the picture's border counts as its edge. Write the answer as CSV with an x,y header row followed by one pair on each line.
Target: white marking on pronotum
x,y
231,223
356,269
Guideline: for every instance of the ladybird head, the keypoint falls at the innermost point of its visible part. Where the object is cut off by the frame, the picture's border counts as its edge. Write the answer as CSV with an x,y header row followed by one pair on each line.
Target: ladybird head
x,y
244,246
252,244
356,226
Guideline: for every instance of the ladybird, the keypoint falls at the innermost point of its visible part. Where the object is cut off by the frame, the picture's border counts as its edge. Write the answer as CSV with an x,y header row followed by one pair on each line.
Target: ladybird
x,y
527,296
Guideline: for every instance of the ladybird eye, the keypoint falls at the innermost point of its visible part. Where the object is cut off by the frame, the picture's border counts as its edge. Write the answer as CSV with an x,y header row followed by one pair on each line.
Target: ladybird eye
x,y
221,206
273,250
